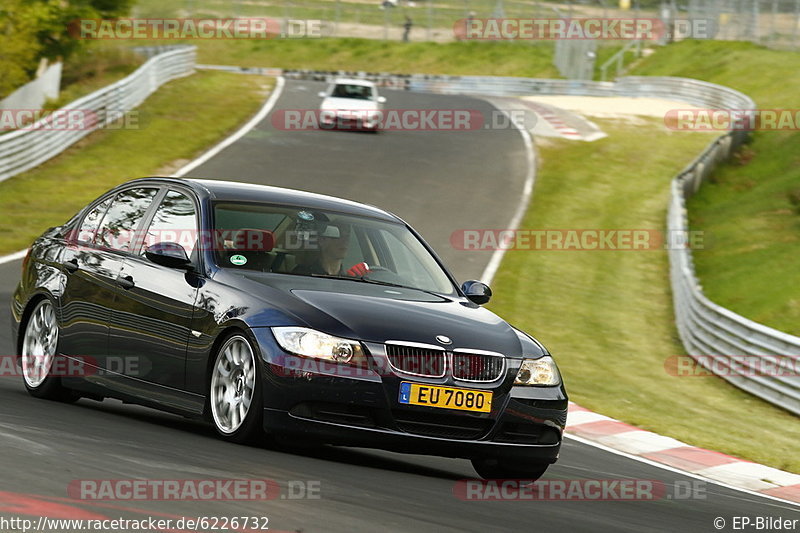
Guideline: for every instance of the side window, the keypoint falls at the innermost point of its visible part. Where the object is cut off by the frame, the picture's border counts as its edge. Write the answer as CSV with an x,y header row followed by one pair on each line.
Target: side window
x,y
118,230
174,221
91,222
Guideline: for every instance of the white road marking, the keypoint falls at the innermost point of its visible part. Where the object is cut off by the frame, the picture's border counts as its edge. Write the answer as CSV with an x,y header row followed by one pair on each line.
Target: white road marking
x,y
527,191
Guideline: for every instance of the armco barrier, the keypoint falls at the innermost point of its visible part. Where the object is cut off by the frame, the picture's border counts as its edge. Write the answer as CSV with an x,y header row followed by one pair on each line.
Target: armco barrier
x,y
24,149
705,328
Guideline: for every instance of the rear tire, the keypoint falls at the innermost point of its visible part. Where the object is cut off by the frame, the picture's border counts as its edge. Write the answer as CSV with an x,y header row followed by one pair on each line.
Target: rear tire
x,y
498,469
235,391
39,352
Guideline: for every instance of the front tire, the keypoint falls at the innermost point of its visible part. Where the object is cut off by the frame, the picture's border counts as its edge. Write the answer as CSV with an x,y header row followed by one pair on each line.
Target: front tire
x,y
235,391
498,469
39,351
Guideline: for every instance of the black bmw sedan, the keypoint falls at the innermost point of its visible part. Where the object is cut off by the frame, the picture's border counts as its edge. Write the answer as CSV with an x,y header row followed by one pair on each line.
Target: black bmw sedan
x,y
279,312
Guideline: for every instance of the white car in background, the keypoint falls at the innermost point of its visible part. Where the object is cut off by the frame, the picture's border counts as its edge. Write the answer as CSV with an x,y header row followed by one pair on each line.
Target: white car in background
x,y
351,104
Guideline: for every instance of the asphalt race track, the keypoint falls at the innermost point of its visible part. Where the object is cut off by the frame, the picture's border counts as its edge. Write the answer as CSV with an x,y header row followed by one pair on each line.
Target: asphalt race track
x,y
438,182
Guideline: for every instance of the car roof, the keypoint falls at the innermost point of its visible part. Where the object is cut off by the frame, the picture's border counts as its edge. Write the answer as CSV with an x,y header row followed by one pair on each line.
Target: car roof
x,y
219,190
353,81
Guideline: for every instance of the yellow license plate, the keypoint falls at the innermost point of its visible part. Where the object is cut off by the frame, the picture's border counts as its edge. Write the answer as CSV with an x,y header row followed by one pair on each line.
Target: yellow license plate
x,y
445,397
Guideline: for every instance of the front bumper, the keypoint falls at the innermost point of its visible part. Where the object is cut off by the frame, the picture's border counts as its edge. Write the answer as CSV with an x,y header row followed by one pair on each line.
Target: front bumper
x,y
340,405
364,121
341,434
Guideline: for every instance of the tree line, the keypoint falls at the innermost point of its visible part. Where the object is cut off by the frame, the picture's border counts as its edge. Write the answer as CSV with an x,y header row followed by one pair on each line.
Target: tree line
x,y
35,29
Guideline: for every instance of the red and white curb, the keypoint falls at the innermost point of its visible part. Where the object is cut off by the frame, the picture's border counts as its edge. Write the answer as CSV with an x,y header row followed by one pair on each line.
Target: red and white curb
x,y
708,464
554,121
554,125
551,121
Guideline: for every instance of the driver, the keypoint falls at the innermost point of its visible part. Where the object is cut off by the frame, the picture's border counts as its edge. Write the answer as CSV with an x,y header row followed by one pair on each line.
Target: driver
x,y
333,239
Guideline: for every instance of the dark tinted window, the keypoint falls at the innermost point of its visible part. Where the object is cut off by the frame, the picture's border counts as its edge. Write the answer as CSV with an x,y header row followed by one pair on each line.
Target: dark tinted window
x,y
174,221
92,221
357,92
311,242
123,217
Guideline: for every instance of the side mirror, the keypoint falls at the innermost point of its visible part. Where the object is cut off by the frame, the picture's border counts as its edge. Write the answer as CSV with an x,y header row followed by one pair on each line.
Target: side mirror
x,y
168,254
322,94
381,99
476,291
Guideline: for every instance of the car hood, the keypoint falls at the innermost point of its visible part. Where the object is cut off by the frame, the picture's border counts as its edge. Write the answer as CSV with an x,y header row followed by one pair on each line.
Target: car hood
x,y
377,313
348,104
382,317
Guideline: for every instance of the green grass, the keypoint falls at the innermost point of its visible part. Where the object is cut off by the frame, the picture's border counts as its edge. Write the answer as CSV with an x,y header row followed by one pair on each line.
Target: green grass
x,y
751,266
607,315
443,15
180,120
491,59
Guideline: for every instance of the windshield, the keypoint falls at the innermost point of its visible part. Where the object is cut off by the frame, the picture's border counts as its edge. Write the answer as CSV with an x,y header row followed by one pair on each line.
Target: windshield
x,y
357,92
309,242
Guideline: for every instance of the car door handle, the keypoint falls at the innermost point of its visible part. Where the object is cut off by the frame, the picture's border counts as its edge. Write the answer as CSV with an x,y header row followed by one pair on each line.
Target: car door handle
x,y
126,282
71,265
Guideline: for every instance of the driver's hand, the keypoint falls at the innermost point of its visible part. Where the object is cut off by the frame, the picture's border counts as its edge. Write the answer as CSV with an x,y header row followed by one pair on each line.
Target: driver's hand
x,y
359,270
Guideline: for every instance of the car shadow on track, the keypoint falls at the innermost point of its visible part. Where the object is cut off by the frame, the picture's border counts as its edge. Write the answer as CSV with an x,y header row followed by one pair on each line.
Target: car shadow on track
x,y
327,453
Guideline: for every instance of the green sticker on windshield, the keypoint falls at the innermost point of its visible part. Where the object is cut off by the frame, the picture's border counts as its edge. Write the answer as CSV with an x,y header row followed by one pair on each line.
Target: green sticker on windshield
x,y
238,260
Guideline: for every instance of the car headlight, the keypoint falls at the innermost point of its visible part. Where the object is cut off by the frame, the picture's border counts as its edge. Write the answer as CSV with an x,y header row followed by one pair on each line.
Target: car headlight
x,y
311,343
542,372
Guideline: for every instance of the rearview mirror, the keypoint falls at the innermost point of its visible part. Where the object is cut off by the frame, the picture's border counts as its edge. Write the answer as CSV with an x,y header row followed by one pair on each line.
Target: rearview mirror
x,y
476,291
322,94
168,254
381,99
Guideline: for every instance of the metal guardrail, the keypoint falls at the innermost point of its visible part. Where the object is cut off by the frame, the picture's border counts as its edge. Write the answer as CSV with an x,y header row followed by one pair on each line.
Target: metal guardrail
x,y
705,328
26,148
691,91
